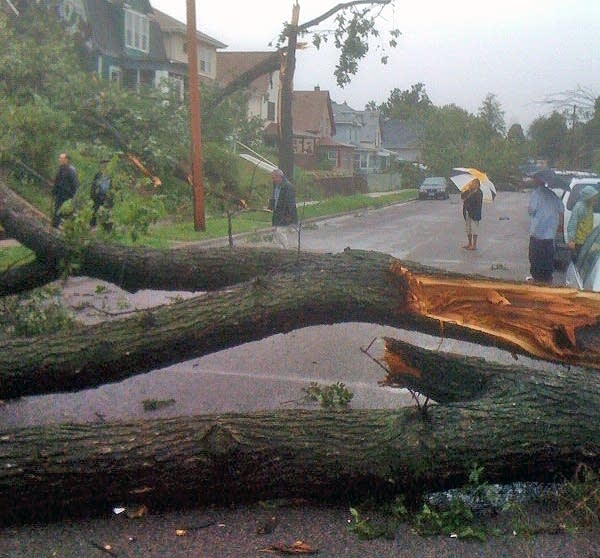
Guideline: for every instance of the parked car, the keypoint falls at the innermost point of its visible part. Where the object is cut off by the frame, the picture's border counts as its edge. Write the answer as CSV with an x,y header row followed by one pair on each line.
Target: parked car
x,y
585,272
570,197
434,188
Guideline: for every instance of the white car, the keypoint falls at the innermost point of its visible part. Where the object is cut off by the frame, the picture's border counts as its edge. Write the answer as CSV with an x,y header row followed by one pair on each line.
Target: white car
x,y
585,272
569,198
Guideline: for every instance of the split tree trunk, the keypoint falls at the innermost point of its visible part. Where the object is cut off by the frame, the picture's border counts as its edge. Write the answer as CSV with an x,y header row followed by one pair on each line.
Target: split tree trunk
x,y
542,425
287,291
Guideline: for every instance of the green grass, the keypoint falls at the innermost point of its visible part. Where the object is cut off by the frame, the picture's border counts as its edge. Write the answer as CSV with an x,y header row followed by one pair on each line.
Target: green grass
x,y
14,255
163,234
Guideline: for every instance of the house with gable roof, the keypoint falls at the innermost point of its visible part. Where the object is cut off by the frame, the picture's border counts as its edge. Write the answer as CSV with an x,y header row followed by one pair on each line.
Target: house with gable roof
x,y
125,42
174,34
362,129
263,101
314,132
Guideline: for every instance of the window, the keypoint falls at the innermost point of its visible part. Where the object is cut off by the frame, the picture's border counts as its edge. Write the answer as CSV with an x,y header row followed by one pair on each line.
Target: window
x,y
137,31
114,74
271,110
332,155
205,57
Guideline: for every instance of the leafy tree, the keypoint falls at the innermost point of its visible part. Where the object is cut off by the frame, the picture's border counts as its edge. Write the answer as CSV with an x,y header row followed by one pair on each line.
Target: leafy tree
x,y
492,114
41,87
516,134
455,138
413,103
445,138
548,135
51,103
591,132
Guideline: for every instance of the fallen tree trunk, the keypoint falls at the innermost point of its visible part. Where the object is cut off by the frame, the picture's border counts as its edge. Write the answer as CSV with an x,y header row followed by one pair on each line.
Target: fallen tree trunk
x,y
542,425
292,291
353,286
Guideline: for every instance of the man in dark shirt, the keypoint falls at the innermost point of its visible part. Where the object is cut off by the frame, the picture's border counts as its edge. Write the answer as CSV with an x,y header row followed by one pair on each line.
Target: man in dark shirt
x,y
283,204
65,186
472,197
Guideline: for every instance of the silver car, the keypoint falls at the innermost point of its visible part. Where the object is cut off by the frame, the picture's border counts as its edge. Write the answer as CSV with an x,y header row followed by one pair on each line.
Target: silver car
x,y
585,272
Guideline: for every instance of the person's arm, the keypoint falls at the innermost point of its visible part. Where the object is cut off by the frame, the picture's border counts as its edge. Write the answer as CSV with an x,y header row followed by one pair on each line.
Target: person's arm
x,y
533,203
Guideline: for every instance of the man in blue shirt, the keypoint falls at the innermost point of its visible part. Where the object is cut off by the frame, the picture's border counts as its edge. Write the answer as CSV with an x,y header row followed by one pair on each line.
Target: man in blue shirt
x,y
546,211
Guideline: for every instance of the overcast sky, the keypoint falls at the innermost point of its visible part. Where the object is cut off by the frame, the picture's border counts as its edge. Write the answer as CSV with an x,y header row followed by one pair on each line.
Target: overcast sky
x,y
520,50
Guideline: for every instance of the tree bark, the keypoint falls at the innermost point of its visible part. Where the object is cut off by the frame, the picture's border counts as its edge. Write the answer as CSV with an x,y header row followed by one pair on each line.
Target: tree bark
x,y
542,425
286,75
286,291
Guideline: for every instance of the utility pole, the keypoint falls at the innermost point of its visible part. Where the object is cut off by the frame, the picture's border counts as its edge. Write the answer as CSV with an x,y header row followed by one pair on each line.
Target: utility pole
x,y
194,103
286,92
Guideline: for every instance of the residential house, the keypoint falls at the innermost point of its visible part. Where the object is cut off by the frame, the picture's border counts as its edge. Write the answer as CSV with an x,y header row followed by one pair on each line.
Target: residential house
x,y
125,41
174,35
314,131
402,137
263,101
361,128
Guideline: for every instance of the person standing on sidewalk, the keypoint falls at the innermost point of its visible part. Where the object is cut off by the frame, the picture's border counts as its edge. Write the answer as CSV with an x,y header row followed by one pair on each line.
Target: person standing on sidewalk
x,y
283,205
64,187
545,210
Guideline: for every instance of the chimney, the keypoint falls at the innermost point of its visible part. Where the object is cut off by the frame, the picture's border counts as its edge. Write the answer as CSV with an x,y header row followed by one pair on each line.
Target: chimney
x,y
317,88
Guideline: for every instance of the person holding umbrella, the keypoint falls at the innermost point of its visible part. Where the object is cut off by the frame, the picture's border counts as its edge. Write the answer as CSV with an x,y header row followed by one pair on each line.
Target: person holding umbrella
x,y
472,197
545,210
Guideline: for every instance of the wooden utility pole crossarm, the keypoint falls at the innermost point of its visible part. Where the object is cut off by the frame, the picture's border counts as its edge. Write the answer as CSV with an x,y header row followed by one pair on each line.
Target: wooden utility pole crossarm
x,y
194,100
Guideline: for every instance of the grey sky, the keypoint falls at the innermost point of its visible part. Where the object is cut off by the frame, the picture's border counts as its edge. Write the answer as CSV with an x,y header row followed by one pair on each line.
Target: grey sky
x,y
520,50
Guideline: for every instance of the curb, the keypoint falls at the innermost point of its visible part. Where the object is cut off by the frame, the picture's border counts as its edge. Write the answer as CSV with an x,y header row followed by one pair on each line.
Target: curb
x,y
223,241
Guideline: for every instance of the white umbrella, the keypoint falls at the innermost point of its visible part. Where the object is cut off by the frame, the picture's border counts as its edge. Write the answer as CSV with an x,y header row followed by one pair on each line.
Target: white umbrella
x,y
467,175
263,165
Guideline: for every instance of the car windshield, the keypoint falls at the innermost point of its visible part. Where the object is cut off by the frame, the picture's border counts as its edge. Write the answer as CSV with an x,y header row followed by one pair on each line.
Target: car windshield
x,y
434,181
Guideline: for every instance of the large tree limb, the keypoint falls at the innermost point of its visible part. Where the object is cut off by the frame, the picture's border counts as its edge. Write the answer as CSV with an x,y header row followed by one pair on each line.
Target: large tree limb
x,y
338,7
353,286
293,291
542,425
266,66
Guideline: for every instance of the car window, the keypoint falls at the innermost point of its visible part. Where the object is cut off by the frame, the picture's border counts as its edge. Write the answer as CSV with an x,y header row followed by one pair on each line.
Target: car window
x,y
589,254
434,181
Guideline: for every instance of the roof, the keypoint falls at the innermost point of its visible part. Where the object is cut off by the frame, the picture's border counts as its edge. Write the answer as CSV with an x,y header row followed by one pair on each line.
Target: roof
x,y
400,134
233,64
330,142
368,133
307,109
169,24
